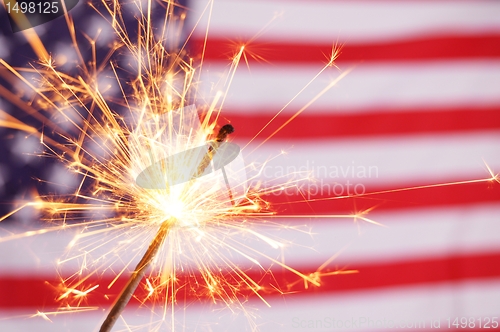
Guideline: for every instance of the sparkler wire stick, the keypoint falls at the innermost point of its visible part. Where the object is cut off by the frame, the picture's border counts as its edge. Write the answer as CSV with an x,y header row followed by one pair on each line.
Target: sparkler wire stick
x,y
156,243
136,277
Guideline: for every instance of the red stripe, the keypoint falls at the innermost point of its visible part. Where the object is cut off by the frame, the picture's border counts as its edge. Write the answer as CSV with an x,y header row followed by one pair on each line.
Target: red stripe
x,y
418,49
36,292
362,124
321,198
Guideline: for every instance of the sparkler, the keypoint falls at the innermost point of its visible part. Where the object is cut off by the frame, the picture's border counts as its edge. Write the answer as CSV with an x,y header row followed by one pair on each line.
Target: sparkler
x,y
110,149
158,240
113,152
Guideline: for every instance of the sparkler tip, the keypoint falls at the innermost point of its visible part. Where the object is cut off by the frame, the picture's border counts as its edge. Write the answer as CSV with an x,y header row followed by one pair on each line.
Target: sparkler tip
x,y
224,131
228,128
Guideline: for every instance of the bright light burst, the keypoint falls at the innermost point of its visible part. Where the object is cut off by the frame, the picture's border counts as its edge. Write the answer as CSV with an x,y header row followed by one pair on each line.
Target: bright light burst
x,y
113,141
113,144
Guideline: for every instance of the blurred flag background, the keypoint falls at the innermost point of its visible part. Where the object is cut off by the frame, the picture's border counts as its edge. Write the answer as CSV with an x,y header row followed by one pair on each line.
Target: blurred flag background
x,y
419,106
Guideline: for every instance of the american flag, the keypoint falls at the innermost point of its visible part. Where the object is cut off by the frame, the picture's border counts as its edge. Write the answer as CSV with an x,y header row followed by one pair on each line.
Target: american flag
x,y
415,104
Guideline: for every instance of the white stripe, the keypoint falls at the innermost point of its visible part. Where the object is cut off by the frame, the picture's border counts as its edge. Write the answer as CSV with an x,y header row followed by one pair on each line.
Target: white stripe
x,y
403,306
382,161
345,21
412,234
392,86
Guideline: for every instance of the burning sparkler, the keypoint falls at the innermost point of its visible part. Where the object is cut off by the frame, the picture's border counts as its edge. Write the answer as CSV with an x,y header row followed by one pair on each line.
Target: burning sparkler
x,y
150,172
160,237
